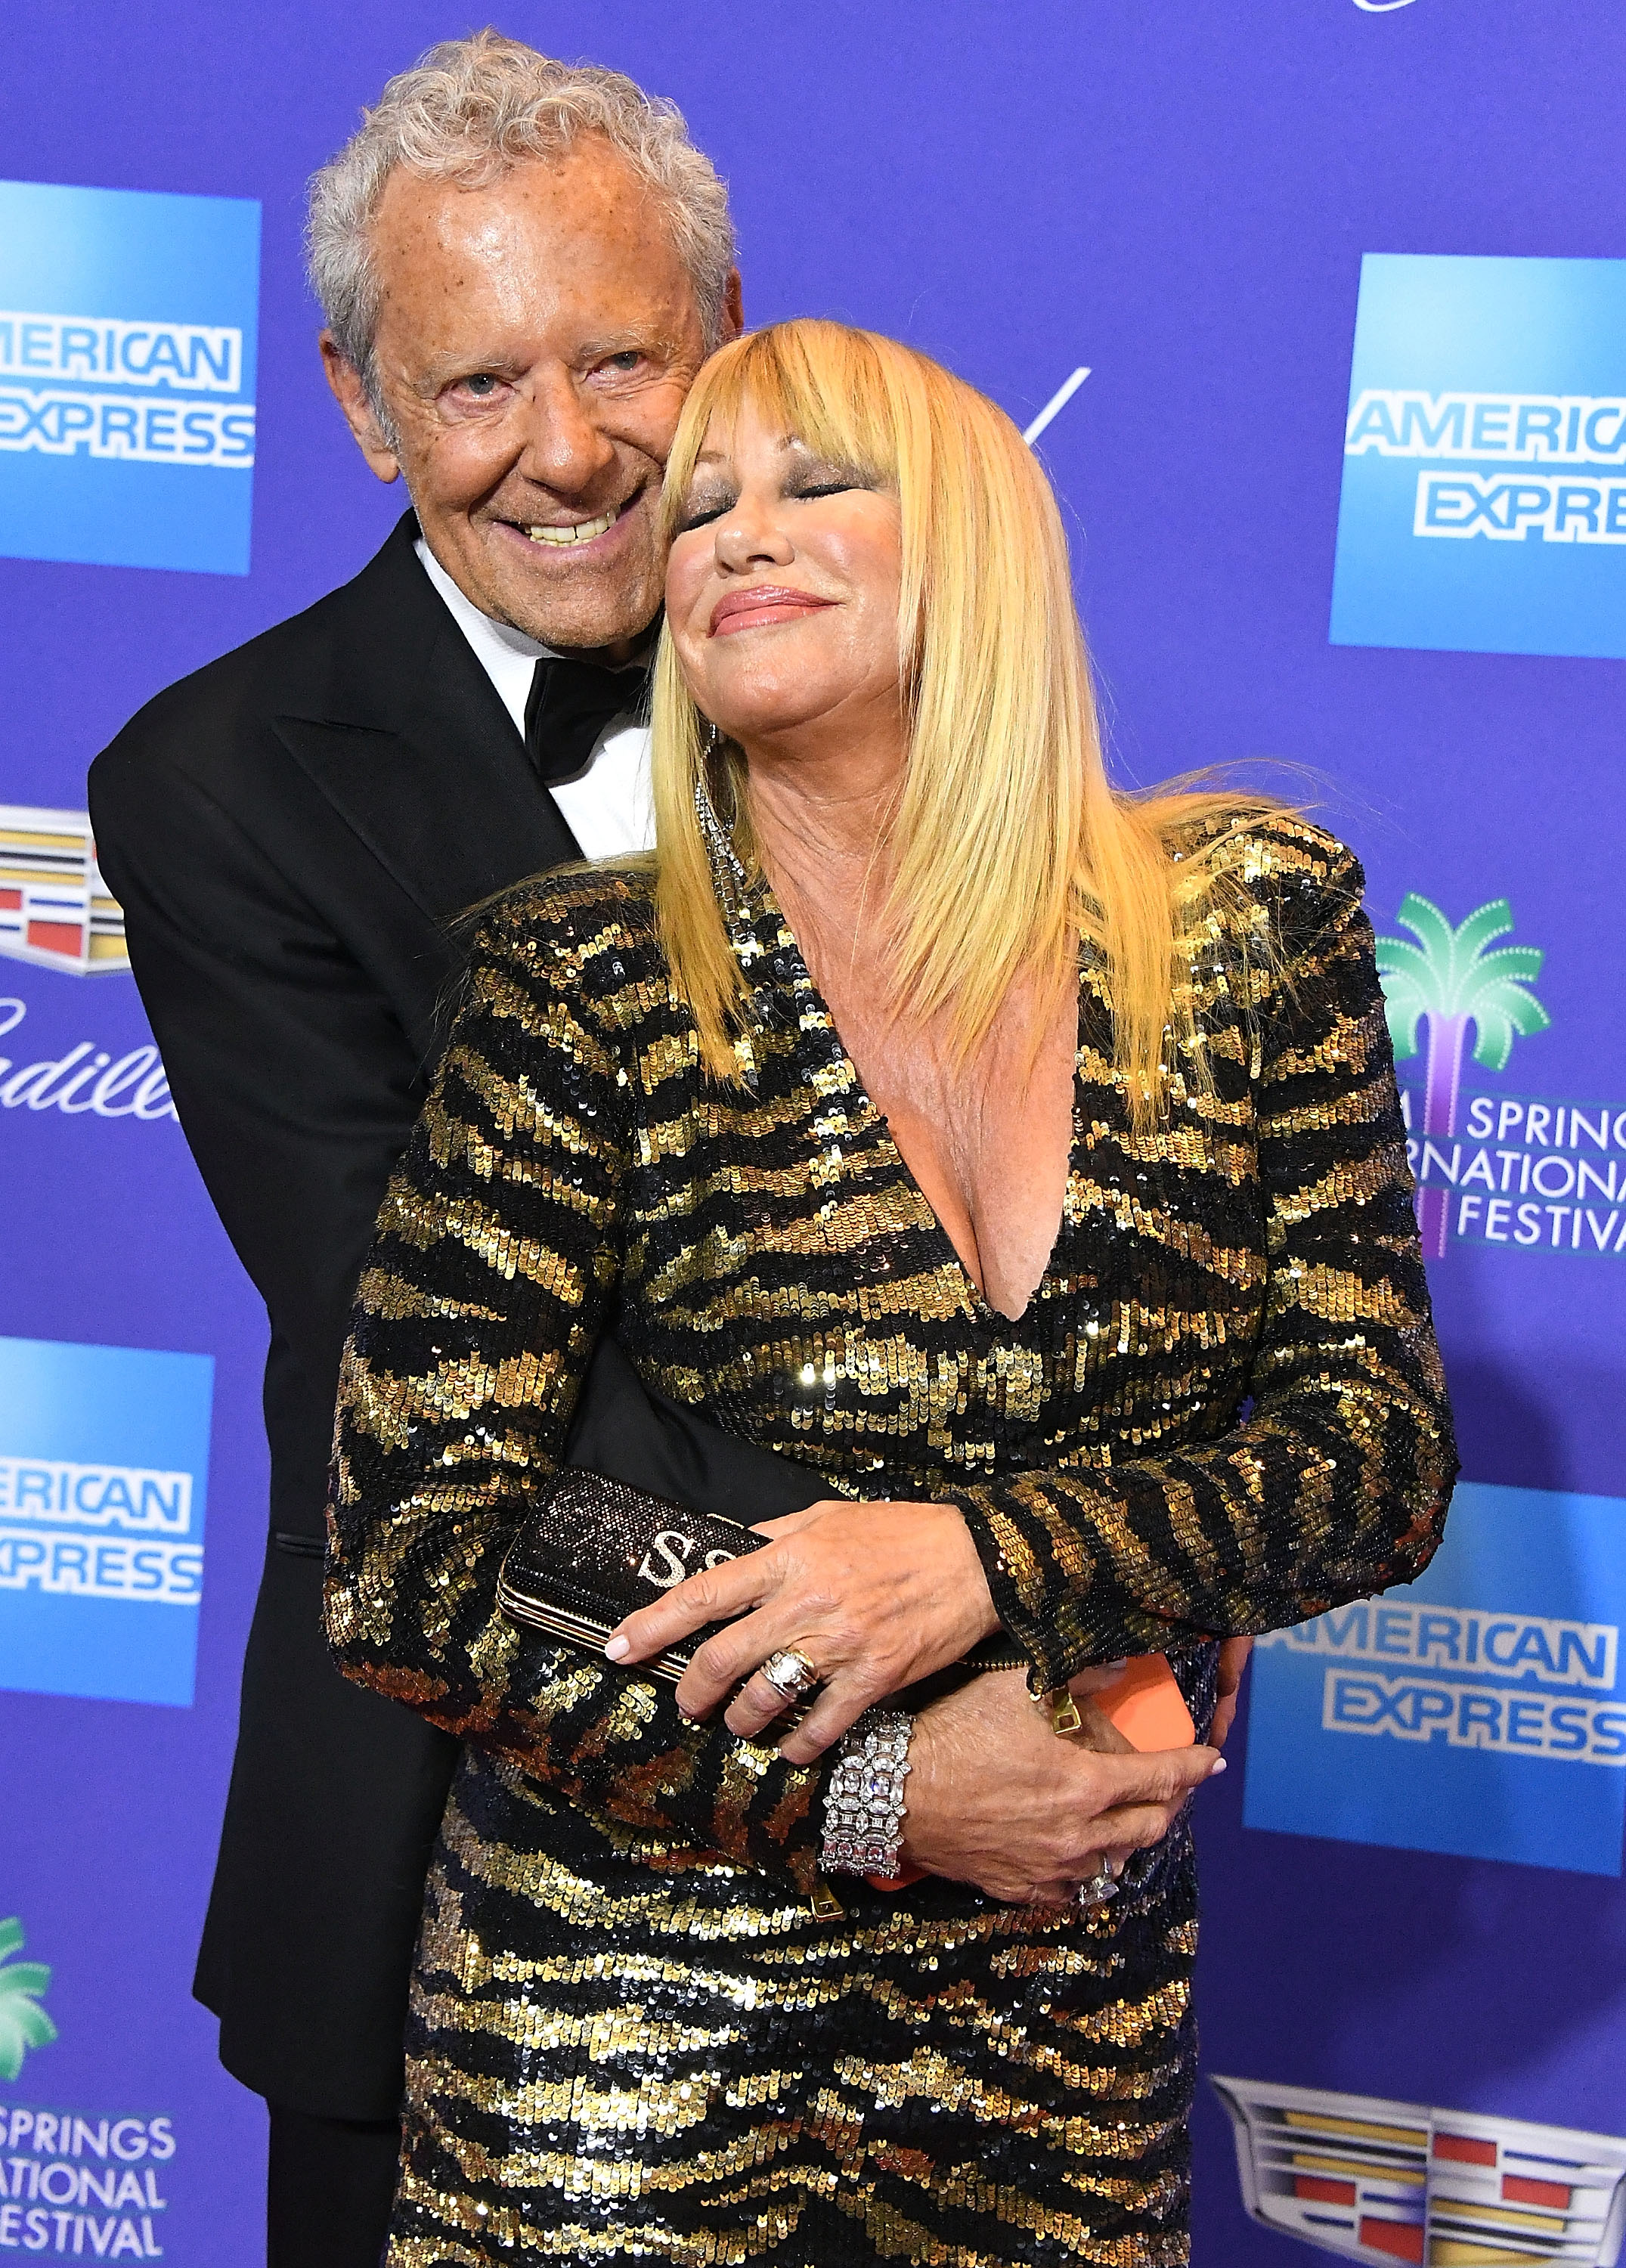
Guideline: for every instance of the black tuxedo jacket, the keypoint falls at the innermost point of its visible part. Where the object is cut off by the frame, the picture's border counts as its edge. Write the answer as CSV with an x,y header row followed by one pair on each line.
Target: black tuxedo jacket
x,y
289,833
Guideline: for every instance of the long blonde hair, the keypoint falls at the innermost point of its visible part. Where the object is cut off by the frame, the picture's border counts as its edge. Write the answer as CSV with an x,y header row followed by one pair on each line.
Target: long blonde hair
x,y
1009,844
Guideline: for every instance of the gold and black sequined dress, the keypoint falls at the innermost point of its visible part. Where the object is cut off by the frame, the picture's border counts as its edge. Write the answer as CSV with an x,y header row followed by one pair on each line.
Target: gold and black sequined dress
x,y
1222,1410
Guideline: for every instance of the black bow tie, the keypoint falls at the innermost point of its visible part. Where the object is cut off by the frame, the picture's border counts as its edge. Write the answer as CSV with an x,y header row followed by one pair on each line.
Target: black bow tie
x,y
571,702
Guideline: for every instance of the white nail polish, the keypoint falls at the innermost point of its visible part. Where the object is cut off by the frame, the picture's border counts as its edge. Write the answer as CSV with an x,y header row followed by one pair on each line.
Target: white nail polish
x,y
618,1648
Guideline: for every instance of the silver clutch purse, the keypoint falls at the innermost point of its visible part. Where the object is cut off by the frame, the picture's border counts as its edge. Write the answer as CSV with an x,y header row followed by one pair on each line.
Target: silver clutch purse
x,y
595,1549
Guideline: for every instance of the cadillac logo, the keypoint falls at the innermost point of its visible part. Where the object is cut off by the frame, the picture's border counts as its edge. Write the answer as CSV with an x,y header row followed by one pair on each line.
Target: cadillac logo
x,y
55,910
1381,2181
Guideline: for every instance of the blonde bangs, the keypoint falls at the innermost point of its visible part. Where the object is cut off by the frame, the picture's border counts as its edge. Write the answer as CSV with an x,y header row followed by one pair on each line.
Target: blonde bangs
x,y
1008,847
817,380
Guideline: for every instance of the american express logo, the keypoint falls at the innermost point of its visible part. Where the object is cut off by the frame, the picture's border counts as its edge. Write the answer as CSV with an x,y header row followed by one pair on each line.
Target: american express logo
x,y
110,425
191,357
1475,1716
96,1496
1521,428
100,1567
1436,1637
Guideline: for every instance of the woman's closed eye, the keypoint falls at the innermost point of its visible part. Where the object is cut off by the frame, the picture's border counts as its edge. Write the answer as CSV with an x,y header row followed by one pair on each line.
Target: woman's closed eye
x,y
808,486
704,508
714,503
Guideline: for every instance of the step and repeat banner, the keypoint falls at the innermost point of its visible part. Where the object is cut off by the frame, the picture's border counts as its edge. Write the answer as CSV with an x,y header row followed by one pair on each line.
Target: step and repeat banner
x,y
1316,312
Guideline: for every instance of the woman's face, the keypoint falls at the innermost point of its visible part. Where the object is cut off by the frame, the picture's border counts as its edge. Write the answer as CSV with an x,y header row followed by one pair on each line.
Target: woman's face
x,y
782,589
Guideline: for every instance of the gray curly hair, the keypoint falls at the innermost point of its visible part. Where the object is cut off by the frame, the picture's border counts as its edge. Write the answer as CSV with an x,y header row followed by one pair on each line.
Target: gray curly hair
x,y
467,111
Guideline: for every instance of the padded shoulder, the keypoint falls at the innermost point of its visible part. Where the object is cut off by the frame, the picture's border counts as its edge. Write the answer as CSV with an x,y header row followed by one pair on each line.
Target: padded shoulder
x,y
1306,879
372,624
271,673
584,930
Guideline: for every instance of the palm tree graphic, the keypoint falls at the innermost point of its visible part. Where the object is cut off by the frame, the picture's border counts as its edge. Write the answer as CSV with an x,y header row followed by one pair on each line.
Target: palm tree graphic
x,y
1446,982
24,2023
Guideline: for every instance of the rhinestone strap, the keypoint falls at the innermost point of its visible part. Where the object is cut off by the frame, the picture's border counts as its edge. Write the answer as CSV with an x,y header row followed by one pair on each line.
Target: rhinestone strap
x,y
864,1796
729,880
727,873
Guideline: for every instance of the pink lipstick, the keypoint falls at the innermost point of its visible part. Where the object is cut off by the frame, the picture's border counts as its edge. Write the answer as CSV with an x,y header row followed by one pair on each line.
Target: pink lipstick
x,y
761,607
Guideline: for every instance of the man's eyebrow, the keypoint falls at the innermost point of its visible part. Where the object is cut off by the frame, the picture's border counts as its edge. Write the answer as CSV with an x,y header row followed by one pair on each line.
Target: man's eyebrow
x,y
449,368
653,341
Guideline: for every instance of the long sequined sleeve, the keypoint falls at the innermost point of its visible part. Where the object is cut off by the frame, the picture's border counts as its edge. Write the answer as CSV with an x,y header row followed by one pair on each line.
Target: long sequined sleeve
x,y
497,1251
1335,1483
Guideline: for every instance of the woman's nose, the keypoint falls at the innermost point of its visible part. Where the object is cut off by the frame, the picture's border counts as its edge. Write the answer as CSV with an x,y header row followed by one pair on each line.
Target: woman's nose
x,y
747,539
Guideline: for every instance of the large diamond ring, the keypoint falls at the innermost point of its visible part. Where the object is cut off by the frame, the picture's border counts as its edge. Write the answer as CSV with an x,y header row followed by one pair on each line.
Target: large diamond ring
x,y
1103,1885
789,1673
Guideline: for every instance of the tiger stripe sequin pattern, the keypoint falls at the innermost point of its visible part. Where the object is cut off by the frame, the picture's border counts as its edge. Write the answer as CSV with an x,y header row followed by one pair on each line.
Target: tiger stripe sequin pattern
x,y
1221,1411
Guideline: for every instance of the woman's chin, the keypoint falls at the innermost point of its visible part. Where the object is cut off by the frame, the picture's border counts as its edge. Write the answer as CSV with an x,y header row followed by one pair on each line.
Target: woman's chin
x,y
764,723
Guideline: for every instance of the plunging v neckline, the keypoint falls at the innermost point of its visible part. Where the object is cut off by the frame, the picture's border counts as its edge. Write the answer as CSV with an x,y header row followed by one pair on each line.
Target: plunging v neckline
x,y
801,980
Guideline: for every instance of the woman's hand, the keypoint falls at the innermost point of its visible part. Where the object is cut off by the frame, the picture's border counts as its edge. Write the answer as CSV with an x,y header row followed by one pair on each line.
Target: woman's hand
x,y
876,1596
996,1799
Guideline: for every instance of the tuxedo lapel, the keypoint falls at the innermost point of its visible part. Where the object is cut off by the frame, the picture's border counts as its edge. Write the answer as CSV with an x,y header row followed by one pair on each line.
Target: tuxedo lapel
x,y
409,742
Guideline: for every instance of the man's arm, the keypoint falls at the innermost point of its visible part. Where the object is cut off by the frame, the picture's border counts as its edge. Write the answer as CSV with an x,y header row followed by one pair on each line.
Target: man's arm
x,y
295,1081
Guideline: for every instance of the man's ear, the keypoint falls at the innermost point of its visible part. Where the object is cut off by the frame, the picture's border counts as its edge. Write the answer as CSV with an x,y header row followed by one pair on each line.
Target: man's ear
x,y
359,414
733,309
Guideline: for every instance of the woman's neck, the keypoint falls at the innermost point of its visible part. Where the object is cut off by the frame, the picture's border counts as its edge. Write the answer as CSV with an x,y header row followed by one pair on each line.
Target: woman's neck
x,y
821,816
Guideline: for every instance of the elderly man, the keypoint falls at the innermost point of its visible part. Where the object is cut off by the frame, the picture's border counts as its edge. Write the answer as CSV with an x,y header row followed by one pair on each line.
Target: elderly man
x,y
523,266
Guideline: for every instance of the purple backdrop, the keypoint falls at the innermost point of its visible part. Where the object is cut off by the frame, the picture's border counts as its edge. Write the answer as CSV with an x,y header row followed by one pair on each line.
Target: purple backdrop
x,y
1179,198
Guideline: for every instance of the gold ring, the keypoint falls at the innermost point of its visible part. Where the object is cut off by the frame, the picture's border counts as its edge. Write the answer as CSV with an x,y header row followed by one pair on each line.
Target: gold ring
x,y
790,1673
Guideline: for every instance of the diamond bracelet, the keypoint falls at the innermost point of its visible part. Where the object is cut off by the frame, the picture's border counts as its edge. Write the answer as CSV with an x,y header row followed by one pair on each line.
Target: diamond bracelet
x,y
863,1795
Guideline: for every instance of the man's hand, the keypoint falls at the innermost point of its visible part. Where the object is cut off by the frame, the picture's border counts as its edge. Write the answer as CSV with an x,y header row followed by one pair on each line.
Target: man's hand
x,y
876,1596
996,1799
1234,1654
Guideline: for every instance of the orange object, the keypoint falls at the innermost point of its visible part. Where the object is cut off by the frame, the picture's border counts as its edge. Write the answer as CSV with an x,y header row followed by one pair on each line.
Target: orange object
x,y
893,1883
1147,1706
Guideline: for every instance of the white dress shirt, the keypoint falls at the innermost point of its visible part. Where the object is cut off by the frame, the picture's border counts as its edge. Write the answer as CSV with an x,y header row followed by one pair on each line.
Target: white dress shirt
x,y
607,806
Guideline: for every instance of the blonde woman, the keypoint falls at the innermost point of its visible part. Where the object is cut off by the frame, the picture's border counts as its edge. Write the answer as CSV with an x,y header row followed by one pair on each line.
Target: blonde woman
x,y
1025,1158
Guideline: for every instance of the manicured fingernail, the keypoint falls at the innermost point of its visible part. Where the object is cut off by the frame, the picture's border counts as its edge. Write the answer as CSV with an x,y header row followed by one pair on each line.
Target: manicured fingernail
x,y
618,1648
1122,1662
1219,1765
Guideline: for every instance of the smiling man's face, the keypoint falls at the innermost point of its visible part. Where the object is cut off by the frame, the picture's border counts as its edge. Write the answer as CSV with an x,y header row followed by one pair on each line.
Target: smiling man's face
x,y
535,343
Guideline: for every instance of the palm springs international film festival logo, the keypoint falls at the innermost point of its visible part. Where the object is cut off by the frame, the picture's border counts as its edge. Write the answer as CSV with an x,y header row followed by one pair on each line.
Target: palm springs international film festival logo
x,y
1483,504
104,1465
71,2187
1478,1711
1526,1172
128,343
1372,2179
24,2024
